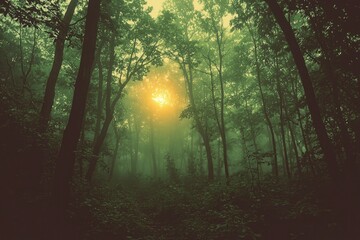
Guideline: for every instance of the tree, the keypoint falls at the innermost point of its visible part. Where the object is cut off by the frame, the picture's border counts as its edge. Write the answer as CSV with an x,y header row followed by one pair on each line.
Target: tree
x,y
179,47
114,159
317,121
139,51
26,72
56,66
66,158
337,72
214,25
245,17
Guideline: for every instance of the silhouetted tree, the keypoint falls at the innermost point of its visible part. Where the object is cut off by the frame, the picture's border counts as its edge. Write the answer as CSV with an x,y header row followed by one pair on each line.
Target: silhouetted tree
x,y
49,95
66,158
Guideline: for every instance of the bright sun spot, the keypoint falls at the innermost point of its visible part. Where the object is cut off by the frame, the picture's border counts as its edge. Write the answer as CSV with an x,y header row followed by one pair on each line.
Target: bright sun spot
x,y
161,99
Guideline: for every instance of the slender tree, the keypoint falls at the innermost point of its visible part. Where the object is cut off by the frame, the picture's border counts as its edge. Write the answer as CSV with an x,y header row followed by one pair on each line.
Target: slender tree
x,y
216,27
275,168
115,157
66,158
26,72
313,106
141,52
183,50
49,95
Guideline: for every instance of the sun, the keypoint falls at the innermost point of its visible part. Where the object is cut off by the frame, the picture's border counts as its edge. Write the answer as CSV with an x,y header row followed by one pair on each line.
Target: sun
x,y
160,98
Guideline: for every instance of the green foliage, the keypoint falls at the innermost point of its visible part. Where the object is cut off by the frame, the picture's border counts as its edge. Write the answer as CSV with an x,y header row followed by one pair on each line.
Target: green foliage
x,y
158,210
33,13
112,215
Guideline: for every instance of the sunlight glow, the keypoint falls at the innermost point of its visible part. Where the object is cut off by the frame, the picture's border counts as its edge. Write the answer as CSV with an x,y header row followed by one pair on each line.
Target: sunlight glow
x,y
157,6
161,99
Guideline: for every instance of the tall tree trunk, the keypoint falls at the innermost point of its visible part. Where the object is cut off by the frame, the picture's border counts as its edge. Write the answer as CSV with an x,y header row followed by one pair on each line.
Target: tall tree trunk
x,y
201,158
81,144
115,154
134,145
26,72
313,106
308,158
283,139
247,161
331,75
347,143
219,162
282,117
109,113
56,66
351,168
218,121
97,147
281,151
134,160
99,100
65,162
114,159
293,141
188,75
209,158
152,149
274,163
219,41
349,197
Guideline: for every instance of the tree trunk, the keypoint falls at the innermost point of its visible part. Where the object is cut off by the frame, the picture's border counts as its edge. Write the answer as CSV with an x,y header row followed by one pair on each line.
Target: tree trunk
x,y
134,160
200,128
99,100
25,73
56,66
134,145
283,139
115,154
317,121
82,145
330,73
109,113
65,162
247,161
351,169
302,131
97,147
114,159
281,115
218,120
274,164
208,157
152,149
219,41
293,141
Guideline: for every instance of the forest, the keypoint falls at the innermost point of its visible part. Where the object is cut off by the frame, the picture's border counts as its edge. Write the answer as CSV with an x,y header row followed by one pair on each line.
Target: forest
x,y
179,119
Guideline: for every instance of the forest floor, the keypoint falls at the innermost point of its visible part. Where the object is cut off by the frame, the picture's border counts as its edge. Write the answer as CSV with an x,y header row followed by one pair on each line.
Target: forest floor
x,y
137,208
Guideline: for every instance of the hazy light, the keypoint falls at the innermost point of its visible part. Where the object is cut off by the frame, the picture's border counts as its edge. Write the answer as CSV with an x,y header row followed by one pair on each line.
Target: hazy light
x,y
157,6
160,98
